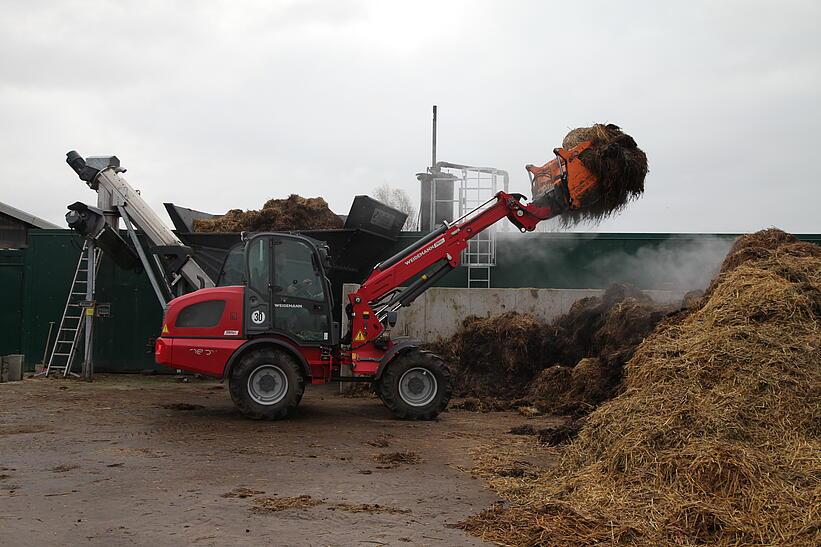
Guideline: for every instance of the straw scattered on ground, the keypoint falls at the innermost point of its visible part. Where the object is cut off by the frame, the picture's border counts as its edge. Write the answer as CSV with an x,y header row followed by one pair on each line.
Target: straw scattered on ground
x,y
372,508
275,504
380,441
715,438
272,505
64,468
182,406
397,458
242,493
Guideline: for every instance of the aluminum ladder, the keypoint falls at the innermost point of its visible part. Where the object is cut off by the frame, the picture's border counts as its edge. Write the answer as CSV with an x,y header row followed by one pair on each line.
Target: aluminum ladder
x,y
71,323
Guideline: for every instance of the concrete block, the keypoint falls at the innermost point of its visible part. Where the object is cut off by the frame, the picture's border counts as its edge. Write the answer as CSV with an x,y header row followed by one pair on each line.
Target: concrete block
x,y
489,302
445,309
347,288
439,312
526,301
570,296
411,319
546,304
345,370
11,368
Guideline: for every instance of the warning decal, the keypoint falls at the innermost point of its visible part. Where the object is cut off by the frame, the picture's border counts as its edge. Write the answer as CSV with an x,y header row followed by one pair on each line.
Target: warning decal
x,y
360,336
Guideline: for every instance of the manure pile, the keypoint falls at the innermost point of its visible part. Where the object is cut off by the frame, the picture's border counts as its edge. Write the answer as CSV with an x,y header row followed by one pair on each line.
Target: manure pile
x,y
566,367
715,437
292,213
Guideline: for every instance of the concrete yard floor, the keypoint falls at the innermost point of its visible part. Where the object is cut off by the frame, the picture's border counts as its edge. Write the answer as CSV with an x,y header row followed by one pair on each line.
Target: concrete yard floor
x,y
131,460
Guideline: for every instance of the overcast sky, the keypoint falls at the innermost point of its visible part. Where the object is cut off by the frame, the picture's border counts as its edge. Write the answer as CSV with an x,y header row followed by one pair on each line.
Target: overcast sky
x,y
218,105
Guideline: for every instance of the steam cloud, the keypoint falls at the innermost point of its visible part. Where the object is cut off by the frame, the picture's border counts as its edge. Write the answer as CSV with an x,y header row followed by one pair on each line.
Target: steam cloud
x,y
672,265
678,264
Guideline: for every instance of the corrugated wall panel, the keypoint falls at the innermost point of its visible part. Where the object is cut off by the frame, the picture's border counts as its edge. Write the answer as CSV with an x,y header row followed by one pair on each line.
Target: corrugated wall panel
x,y
124,342
121,340
50,260
11,295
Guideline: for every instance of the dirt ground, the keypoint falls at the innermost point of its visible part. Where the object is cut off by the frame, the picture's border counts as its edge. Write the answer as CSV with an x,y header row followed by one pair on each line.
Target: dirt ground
x,y
131,460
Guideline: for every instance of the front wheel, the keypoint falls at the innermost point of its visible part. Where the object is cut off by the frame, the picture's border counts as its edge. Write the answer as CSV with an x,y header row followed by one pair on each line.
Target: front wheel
x,y
416,385
266,384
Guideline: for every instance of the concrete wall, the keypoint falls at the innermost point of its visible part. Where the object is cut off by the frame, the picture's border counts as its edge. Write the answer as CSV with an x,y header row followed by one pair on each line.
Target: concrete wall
x,y
440,311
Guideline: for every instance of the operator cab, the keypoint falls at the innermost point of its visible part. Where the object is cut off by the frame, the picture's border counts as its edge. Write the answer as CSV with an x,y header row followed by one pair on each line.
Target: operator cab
x,y
287,291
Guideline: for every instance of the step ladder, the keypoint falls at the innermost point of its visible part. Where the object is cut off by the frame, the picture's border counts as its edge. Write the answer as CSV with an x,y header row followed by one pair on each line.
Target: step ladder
x,y
71,324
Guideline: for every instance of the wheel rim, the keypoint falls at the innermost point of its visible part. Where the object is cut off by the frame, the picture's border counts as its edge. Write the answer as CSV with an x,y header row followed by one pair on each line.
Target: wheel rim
x,y
267,385
417,386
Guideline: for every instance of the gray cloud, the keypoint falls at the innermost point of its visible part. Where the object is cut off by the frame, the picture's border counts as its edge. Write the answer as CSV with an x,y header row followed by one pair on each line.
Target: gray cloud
x,y
217,105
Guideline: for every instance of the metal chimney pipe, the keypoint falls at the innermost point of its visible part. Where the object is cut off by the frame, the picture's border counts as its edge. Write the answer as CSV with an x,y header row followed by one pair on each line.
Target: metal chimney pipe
x,y
433,146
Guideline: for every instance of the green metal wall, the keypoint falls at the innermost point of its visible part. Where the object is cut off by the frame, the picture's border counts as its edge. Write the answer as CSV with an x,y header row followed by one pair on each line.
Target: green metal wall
x,y
566,260
123,342
11,295
49,265
596,260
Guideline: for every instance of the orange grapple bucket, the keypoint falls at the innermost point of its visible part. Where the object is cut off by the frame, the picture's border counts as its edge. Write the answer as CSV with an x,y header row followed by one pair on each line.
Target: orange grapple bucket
x,y
564,182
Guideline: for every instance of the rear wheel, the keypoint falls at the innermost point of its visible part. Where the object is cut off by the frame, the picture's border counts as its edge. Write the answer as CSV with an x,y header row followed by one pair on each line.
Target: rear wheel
x,y
416,385
267,384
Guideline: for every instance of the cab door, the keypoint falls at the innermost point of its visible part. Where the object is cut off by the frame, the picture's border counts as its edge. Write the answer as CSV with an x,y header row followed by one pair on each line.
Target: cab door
x,y
299,296
258,316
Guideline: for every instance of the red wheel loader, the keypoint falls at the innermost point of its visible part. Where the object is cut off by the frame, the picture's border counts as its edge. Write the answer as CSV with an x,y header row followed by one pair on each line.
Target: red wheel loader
x,y
267,326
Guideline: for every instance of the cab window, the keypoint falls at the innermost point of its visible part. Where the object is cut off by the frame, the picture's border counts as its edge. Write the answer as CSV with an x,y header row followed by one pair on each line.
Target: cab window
x,y
233,268
299,304
259,265
295,272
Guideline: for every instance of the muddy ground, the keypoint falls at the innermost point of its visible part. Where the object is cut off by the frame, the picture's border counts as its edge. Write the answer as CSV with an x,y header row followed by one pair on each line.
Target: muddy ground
x,y
132,460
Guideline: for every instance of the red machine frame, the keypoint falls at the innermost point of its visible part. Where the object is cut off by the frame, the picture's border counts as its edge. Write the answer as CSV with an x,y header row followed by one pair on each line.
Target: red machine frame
x,y
443,248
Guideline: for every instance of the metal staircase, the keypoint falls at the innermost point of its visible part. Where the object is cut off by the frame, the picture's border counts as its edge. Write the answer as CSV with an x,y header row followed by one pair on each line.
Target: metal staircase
x,y
71,324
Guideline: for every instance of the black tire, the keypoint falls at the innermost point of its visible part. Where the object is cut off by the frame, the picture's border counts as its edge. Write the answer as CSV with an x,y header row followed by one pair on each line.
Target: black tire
x,y
429,403
271,368
376,386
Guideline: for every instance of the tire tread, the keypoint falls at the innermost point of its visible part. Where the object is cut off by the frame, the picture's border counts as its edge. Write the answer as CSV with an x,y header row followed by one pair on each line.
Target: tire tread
x,y
237,384
390,377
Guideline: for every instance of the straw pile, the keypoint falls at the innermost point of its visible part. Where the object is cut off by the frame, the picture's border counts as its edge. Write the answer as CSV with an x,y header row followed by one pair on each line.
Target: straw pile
x,y
495,356
715,439
617,161
609,326
292,213
567,367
